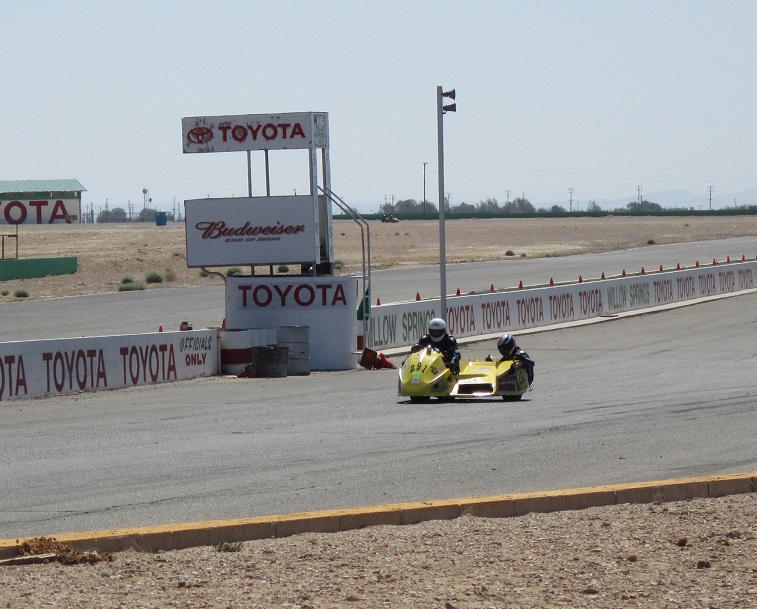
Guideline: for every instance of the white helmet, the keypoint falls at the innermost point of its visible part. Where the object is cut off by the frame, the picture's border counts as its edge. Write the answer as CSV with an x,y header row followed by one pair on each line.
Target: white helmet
x,y
437,329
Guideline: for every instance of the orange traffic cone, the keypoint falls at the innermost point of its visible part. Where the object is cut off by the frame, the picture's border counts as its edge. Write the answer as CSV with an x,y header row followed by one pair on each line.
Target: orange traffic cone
x,y
417,295
458,292
160,329
382,362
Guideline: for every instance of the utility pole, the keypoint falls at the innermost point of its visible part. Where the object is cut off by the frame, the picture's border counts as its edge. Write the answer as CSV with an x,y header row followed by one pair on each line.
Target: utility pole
x,y
441,110
570,190
507,194
638,199
424,187
710,188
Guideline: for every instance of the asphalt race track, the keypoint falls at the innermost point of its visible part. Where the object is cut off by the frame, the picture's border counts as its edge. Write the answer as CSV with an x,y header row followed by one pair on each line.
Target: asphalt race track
x,y
146,311
655,396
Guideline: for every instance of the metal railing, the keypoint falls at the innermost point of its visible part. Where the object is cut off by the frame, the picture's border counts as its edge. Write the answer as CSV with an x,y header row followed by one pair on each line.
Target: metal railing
x,y
9,236
365,241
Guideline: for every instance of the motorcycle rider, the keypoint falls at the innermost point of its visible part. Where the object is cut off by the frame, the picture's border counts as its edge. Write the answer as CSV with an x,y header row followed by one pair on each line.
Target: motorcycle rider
x,y
509,350
437,337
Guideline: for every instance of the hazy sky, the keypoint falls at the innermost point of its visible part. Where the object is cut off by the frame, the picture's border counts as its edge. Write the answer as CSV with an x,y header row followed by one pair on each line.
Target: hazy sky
x,y
598,96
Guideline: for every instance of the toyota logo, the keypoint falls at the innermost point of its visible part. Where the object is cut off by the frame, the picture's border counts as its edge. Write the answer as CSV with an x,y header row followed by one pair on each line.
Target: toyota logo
x,y
199,135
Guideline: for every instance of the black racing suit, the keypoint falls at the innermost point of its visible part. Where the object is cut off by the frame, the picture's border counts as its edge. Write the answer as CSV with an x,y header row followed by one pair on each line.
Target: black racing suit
x,y
448,347
521,356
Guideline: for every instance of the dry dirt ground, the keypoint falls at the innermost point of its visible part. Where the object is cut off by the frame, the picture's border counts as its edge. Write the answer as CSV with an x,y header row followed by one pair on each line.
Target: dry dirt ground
x,y
695,554
109,253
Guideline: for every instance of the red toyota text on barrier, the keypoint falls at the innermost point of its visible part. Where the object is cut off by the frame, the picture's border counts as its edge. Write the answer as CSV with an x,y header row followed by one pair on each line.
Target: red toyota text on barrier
x,y
12,376
590,302
530,310
561,307
496,315
86,368
461,319
158,361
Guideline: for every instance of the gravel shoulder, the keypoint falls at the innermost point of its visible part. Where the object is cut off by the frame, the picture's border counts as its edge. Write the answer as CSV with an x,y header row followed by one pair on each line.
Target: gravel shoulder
x,y
700,553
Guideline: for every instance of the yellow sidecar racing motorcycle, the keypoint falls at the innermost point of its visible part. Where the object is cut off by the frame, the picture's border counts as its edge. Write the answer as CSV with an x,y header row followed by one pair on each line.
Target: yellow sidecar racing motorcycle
x,y
424,375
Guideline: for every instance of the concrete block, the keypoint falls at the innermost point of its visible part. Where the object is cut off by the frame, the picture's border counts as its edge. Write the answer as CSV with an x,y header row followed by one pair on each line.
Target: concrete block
x,y
731,485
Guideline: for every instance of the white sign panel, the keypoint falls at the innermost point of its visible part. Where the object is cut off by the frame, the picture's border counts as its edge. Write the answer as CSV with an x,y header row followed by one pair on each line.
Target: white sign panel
x,y
293,130
42,211
250,230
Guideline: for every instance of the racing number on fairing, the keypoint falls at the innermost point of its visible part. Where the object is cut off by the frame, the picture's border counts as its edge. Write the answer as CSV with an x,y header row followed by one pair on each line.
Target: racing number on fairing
x,y
420,368
522,377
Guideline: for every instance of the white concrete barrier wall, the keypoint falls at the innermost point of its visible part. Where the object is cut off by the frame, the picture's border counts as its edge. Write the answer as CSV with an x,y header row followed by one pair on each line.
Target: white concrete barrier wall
x,y
401,324
38,368
326,304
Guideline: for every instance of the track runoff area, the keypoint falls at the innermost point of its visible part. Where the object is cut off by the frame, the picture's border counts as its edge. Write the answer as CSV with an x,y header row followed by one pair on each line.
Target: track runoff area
x,y
471,317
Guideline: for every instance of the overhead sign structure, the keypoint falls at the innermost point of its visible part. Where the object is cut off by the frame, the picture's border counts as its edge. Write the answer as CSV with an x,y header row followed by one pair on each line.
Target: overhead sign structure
x,y
244,230
288,131
264,132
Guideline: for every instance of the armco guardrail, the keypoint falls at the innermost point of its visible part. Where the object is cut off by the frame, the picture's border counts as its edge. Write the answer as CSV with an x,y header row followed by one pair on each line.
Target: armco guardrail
x,y
37,368
401,324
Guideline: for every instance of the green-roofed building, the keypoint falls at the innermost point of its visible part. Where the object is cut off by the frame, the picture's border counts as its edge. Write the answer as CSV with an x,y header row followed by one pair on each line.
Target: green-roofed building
x,y
40,201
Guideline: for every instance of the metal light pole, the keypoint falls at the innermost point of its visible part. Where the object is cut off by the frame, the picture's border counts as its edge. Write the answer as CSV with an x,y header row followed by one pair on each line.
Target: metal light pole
x,y
441,109
424,187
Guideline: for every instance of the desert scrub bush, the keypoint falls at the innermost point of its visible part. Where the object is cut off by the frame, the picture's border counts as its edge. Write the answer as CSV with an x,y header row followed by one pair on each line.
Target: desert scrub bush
x,y
203,273
234,271
21,294
126,280
130,287
228,546
170,275
154,277
338,265
650,242
4,293
509,253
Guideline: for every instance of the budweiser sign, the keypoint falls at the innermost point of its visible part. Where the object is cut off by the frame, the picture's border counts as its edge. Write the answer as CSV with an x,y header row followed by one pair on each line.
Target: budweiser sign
x,y
219,230
294,130
249,230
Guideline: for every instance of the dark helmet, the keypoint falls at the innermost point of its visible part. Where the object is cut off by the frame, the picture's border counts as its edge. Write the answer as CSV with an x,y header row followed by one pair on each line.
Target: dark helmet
x,y
437,329
506,345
